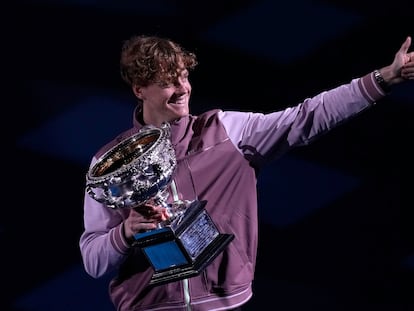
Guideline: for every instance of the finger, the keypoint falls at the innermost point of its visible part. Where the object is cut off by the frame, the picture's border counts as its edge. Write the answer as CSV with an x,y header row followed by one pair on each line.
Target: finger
x,y
406,45
146,208
155,213
144,212
149,216
143,226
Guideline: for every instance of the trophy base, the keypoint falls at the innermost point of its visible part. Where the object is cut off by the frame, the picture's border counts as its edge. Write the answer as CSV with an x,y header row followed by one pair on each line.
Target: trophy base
x,y
184,248
183,272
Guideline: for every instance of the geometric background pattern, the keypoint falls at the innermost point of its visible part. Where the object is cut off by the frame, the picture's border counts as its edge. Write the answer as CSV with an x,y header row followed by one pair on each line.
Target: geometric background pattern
x,y
336,217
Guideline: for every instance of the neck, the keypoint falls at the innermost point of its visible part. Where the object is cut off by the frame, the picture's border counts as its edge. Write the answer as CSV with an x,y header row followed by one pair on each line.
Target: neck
x,y
152,119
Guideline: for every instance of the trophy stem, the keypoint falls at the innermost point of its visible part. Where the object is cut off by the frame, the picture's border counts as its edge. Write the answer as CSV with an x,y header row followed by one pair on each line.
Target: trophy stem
x,y
173,210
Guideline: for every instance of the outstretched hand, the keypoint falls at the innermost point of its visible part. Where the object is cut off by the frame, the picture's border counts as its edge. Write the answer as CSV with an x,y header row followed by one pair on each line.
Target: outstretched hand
x,y
402,67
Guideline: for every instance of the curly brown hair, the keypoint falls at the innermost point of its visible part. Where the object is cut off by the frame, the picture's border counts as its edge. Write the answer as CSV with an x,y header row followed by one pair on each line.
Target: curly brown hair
x,y
151,59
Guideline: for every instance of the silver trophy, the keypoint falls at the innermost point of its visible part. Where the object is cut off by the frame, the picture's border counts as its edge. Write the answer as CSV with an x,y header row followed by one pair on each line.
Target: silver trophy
x,y
138,170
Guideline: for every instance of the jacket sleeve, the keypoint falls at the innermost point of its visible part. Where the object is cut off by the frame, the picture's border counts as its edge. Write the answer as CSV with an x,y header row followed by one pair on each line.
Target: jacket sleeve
x,y
102,243
268,136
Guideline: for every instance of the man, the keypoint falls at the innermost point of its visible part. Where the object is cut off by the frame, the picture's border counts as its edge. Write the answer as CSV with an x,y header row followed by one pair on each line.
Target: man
x,y
218,155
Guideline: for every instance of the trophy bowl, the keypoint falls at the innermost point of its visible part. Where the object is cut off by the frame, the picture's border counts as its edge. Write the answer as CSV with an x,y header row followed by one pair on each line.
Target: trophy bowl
x,y
134,171
139,169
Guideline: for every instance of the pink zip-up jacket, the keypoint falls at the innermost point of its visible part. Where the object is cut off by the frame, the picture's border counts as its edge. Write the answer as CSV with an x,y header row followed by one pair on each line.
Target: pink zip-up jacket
x,y
218,154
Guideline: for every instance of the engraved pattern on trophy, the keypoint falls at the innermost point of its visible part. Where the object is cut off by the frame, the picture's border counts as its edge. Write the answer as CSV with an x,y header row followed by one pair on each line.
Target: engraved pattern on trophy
x,y
134,171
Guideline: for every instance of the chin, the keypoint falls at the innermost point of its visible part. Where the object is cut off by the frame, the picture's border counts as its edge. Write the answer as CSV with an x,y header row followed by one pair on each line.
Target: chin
x,y
181,112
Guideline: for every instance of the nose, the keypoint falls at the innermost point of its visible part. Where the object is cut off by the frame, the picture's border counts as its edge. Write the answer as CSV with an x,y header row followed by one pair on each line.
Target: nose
x,y
179,85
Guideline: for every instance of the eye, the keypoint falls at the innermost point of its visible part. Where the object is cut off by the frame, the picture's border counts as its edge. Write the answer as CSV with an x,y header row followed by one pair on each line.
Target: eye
x,y
164,85
183,78
185,74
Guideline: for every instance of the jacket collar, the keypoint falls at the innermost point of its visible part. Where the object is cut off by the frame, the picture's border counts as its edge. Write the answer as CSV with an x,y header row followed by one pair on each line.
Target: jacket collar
x,y
179,127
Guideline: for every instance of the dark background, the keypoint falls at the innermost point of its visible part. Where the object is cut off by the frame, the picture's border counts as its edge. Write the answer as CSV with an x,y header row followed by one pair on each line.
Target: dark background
x,y
336,229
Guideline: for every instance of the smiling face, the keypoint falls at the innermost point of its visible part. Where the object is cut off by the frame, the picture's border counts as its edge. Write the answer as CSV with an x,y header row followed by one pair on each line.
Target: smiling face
x,y
157,69
165,102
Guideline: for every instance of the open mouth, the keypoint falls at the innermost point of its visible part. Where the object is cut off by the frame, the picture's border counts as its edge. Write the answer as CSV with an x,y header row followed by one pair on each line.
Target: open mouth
x,y
177,100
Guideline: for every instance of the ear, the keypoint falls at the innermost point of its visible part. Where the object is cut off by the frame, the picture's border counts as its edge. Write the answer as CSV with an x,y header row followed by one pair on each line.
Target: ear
x,y
137,91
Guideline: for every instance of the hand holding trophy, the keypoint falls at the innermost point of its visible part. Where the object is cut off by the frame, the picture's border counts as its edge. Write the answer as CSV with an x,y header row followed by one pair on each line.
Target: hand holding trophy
x,y
139,170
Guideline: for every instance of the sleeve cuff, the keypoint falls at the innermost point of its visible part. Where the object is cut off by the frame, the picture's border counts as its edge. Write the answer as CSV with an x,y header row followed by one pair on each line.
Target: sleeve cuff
x,y
118,240
370,88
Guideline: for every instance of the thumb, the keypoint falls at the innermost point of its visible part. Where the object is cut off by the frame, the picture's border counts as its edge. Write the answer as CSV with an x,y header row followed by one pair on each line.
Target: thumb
x,y
406,45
